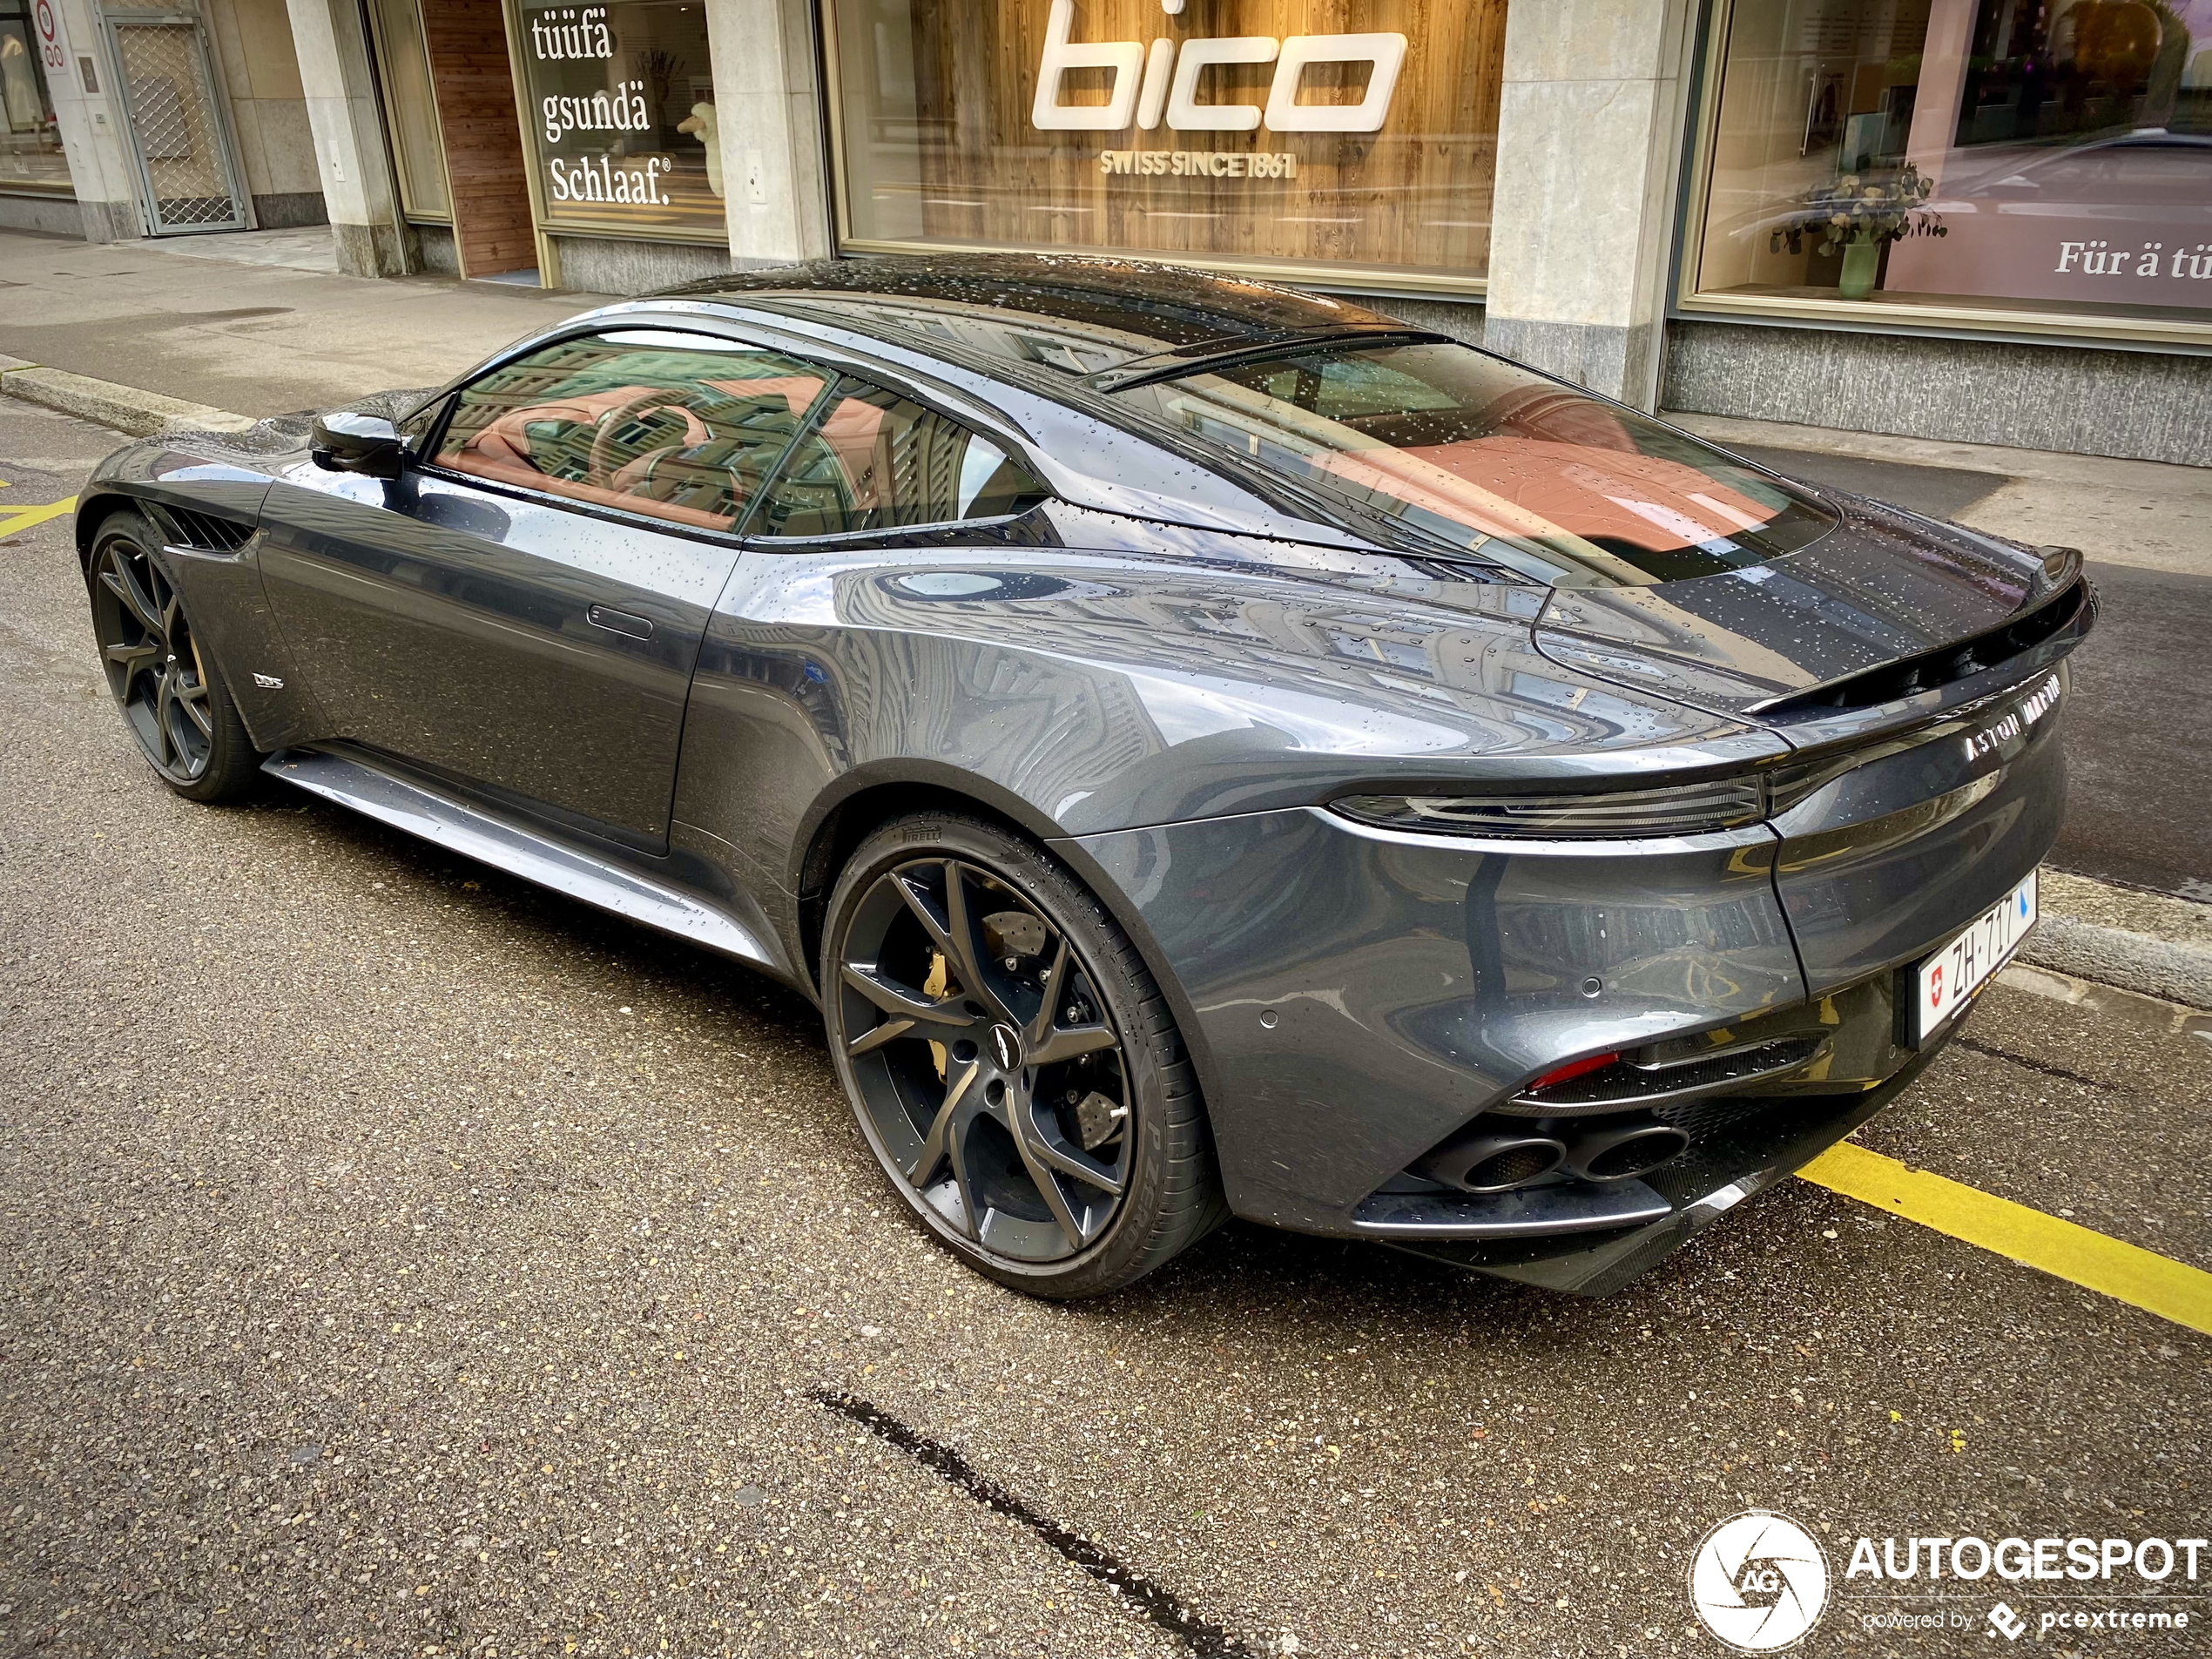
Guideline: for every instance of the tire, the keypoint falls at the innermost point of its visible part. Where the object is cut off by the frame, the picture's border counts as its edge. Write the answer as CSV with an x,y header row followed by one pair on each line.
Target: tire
x,y
975,1090
168,685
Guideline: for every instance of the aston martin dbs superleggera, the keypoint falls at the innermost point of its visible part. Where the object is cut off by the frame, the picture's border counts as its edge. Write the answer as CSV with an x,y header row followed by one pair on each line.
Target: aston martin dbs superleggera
x,y
1208,749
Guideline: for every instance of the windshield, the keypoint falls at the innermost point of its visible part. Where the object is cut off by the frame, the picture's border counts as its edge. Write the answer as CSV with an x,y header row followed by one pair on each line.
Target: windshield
x,y
1483,459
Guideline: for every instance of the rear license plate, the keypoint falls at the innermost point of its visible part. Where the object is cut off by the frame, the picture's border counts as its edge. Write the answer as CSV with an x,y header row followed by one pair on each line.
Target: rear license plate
x,y
1949,979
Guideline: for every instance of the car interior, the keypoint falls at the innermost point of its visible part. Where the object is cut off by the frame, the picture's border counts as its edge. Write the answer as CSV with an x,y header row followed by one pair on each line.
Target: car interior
x,y
675,435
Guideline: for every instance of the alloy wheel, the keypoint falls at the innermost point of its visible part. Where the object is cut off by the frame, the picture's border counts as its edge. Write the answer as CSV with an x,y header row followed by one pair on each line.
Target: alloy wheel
x,y
152,662
985,1060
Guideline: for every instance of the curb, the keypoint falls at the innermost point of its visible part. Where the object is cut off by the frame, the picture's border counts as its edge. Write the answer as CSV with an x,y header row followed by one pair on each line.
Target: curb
x,y
2168,969
2153,943
2147,1014
142,415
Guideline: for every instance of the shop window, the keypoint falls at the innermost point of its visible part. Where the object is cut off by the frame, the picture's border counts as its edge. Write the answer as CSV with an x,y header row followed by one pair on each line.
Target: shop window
x,y
418,149
1989,160
1230,135
619,107
31,144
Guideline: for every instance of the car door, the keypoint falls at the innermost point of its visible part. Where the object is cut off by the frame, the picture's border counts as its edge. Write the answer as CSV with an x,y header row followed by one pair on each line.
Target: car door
x,y
811,666
520,612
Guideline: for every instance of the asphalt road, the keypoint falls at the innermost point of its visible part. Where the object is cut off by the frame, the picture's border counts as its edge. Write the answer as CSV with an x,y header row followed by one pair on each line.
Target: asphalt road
x,y
397,1259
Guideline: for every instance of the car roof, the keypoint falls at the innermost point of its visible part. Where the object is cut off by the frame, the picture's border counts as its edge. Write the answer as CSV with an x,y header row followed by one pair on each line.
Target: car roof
x,y
1043,330
1131,307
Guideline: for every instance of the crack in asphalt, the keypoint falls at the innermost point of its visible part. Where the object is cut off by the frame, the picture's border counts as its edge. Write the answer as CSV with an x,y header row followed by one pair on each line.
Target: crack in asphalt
x,y
2037,1065
1151,1601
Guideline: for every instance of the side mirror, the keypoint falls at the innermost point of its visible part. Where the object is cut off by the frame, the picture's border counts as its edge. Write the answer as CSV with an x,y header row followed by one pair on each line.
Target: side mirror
x,y
364,443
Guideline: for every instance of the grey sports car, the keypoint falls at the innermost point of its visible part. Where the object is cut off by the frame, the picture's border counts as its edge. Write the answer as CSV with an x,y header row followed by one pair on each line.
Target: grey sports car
x,y
1208,749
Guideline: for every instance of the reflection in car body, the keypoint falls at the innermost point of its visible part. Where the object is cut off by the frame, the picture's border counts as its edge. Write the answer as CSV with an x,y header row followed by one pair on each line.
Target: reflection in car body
x,y
1208,749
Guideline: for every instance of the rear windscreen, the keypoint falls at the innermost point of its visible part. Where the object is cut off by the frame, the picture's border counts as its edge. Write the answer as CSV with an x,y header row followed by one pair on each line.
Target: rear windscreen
x,y
1484,460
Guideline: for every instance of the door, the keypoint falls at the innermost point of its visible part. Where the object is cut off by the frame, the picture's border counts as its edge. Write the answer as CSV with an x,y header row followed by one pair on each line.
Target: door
x,y
812,662
521,612
180,138
466,53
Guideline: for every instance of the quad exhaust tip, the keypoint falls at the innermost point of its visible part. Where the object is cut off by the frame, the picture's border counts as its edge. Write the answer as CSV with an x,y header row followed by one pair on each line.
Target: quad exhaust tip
x,y
1489,1164
1493,1163
1620,1154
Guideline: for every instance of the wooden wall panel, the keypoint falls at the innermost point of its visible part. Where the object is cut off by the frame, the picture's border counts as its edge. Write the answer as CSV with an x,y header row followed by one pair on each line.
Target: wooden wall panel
x,y
474,88
1416,194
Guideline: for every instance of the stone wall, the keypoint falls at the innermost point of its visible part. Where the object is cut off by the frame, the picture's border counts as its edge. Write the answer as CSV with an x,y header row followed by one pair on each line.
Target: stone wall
x,y
2141,405
603,264
53,215
261,72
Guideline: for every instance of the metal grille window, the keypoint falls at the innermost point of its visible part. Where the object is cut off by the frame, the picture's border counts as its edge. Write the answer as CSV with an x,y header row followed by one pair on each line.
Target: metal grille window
x,y
177,131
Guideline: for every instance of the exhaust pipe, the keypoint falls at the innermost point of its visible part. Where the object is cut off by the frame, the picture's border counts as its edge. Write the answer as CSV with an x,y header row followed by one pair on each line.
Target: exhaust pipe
x,y
1618,1154
1493,1163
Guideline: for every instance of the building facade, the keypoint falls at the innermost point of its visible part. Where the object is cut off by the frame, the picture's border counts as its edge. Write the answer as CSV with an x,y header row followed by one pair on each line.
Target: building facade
x,y
1987,220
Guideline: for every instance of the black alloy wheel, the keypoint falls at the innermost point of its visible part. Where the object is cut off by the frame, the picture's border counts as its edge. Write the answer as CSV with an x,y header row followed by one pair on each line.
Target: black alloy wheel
x,y
172,695
1010,1062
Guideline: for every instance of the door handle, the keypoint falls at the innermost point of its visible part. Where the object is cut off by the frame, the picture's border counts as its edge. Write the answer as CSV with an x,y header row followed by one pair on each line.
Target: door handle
x,y
618,622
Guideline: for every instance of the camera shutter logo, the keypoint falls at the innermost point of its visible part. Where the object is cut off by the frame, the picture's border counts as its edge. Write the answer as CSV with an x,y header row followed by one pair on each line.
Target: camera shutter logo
x,y
1759,1582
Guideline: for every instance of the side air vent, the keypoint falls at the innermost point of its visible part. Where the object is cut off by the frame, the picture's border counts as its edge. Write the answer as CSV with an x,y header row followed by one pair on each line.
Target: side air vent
x,y
1894,681
208,532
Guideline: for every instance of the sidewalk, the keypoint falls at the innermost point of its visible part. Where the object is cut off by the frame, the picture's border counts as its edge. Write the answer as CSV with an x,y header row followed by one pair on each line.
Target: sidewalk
x,y
257,339
2141,807
261,340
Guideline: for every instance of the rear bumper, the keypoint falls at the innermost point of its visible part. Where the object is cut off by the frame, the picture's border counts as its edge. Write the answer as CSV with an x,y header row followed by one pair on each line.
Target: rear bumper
x,y
1707,1182
1355,997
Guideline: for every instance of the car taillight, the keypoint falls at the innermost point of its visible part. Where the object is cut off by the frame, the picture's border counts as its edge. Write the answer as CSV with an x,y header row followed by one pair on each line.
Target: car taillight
x,y
1572,1069
1679,809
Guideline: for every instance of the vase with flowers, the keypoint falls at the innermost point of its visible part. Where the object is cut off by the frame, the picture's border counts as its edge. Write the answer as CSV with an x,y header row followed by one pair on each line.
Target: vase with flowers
x,y
1857,216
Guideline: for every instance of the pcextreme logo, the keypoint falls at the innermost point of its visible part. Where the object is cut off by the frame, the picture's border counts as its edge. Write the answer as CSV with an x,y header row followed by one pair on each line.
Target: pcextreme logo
x,y
1162,81
1759,1582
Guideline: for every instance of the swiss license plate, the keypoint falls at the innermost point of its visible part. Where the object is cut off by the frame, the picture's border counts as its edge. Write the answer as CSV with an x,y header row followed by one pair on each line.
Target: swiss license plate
x,y
1949,979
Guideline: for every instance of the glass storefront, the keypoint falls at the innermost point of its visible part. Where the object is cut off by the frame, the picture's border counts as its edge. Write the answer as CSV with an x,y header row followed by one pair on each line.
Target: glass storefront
x,y
2037,162
410,110
31,144
1236,134
618,109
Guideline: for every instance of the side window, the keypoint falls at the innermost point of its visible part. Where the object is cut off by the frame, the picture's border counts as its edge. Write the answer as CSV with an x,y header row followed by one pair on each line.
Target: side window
x,y
675,426
876,461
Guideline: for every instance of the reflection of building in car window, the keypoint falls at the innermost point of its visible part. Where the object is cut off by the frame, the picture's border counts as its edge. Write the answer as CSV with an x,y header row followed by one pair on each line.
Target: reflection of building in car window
x,y
879,460
1488,459
677,434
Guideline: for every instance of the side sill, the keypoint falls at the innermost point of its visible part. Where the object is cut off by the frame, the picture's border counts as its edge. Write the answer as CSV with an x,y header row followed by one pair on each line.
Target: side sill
x,y
518,851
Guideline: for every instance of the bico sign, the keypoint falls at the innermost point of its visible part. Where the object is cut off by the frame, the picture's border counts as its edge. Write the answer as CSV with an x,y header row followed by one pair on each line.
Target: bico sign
x,y
1162,83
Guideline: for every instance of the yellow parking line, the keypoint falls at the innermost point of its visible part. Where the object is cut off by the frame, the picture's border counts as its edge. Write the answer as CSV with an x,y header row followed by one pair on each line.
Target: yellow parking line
x,y
24,518
2139,1278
